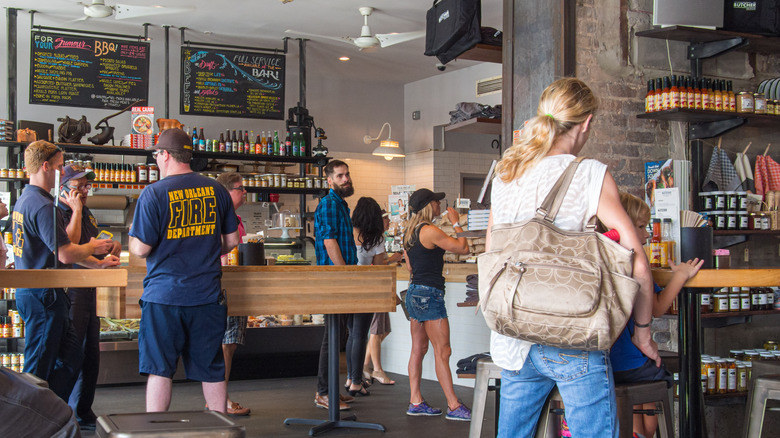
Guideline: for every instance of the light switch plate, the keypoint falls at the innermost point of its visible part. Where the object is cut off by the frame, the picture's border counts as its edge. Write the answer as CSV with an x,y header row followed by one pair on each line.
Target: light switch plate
x,y
415,115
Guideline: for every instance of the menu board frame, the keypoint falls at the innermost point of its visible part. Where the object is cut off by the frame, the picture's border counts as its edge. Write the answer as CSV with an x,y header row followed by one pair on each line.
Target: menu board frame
x,y
86,54
267,75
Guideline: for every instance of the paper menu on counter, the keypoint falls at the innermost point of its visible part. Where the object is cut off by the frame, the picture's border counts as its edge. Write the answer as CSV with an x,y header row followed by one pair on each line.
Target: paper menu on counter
x,y
667,205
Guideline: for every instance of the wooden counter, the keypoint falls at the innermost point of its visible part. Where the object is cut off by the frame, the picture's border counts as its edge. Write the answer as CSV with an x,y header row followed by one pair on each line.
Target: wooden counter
x,y
274,290
453,272
713,278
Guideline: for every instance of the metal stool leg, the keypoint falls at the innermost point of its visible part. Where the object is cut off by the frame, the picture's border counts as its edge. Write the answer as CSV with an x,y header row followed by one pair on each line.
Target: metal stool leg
x,y
480,397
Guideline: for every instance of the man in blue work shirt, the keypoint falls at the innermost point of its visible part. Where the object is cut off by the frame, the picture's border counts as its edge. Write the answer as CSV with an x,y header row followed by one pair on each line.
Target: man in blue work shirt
x,y
51,351
181,225
334,244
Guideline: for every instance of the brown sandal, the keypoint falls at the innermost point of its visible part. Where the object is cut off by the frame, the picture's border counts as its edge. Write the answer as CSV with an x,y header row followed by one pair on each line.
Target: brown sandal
x,y
382,378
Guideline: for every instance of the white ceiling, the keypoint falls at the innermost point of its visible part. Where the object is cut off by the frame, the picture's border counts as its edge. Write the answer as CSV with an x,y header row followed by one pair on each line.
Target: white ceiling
x,y
262,23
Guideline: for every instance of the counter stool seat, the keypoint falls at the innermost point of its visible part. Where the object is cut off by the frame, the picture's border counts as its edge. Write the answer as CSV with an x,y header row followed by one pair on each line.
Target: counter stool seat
x,y
631,394
764,388
486,370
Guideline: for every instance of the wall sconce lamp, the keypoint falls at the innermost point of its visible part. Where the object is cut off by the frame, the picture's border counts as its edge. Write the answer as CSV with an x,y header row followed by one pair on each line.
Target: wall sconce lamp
x,y
387,148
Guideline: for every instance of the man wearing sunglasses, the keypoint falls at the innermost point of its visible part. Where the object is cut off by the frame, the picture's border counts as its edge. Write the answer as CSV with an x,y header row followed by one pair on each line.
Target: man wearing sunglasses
x,y
181,225
82,226
52,351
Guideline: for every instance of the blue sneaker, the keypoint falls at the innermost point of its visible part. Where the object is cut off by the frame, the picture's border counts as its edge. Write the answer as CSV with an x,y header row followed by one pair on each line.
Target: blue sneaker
x,y
423,410
461,413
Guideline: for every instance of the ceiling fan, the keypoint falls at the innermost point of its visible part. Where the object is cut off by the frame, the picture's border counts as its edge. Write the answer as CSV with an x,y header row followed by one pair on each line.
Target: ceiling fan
x,y
366,40
99,9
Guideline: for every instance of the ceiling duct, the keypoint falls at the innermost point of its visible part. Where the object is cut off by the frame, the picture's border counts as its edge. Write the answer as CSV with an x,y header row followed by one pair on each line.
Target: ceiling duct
x,y
488,86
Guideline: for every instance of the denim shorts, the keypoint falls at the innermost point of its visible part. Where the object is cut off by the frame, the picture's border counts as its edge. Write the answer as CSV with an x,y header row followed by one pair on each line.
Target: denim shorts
x,y
648,372
425,303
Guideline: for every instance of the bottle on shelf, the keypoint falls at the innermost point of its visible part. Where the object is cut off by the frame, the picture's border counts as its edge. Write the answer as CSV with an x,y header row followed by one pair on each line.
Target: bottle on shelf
x,y
665,100
228,143
731,96
287,144
296,145
247,145
655,244
698,95
258,148
195,137
689,83
276,143
657,96
674,94
705,94
263,144
240,148
718,92
650,96
301,145
201,141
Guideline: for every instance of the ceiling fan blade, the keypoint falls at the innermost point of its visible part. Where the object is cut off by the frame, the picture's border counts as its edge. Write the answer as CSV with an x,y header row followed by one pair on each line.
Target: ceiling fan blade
x,y
388,39
348,40
133,11
83,18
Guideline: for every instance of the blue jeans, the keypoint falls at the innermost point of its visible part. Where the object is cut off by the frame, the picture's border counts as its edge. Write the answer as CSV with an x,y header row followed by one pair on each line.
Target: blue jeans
x,y
52,350
584,379
83,314
358,325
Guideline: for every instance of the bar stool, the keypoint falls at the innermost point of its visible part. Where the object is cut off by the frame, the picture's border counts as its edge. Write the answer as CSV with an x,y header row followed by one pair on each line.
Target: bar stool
x,y
631,394
549,420
486,370
764,388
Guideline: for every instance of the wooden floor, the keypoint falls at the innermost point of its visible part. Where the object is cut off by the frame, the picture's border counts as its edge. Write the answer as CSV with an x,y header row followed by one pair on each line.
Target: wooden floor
x,y
273,400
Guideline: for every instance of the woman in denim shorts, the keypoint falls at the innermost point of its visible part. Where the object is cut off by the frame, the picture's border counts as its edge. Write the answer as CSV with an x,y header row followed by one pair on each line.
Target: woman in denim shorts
x,y
424,246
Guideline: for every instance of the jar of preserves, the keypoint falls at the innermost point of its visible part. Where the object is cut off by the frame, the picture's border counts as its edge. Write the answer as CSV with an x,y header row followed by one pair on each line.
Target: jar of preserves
x,y
767,356
742,377
765,222
706,201
309,182
742,220
759,103
735,304
277,180
154,173
770,106
762,298
722,376
770,298
4,173
750,356
718,218
721,303
705,302
742,201
770,345
731,219
732,201
736,354
718,200
709,370
143,173
744,102
731,377
744,300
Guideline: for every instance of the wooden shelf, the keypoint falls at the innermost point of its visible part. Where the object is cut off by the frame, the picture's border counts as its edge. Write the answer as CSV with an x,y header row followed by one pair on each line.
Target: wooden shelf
x,y
285,191
702,116
484,53
756,43
744,232
746,313
714,278
477,125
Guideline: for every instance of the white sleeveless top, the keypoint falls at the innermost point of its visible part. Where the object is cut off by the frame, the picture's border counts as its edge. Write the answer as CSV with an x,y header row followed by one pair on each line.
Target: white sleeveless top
x,y
518,200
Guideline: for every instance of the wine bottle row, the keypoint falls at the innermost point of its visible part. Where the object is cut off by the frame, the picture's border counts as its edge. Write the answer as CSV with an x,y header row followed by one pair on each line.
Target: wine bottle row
x,y
292,146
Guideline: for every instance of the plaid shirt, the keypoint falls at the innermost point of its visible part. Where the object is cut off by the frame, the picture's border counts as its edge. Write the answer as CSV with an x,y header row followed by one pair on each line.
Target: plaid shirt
x,y
332,221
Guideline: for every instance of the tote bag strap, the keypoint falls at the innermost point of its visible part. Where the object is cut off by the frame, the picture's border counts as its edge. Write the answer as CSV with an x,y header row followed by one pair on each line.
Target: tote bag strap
x,y
552,203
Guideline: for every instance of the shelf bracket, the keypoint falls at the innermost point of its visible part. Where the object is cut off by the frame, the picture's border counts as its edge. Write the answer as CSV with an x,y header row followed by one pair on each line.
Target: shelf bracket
x,y
713,48
713,129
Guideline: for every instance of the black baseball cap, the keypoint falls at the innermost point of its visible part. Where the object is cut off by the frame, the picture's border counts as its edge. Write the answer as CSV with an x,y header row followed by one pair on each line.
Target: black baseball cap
x,y
173,139
423,197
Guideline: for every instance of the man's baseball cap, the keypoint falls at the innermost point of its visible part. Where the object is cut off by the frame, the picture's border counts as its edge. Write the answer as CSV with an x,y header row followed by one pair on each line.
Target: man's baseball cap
x,y
423,197
74,171
173,139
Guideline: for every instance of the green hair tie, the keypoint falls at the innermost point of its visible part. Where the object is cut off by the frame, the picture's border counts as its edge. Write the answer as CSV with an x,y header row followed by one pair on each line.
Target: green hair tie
x,y
550,116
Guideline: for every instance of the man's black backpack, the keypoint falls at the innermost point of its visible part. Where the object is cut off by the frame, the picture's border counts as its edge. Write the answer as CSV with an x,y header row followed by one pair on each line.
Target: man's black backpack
x,y
452,27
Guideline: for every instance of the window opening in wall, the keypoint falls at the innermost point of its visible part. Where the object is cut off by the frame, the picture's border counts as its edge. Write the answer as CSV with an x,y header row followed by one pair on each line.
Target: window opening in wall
x,y
470,186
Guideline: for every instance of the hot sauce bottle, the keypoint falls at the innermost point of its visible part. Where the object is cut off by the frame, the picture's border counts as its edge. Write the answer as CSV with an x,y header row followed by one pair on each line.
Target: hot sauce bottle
x,y
718,92
689,83
650,97
698,95
674,94
732,97
658,101
665,99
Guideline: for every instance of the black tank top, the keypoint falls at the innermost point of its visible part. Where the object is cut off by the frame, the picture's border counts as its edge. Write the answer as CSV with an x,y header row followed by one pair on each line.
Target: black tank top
x,y
427,264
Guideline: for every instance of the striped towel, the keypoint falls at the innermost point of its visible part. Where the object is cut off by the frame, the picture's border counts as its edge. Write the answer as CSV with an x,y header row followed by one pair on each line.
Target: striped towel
x,y
767,174
744,172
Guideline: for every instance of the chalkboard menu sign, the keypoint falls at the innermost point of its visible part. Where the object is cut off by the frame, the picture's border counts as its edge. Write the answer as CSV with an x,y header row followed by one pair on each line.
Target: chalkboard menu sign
x,y
91,72
232,84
